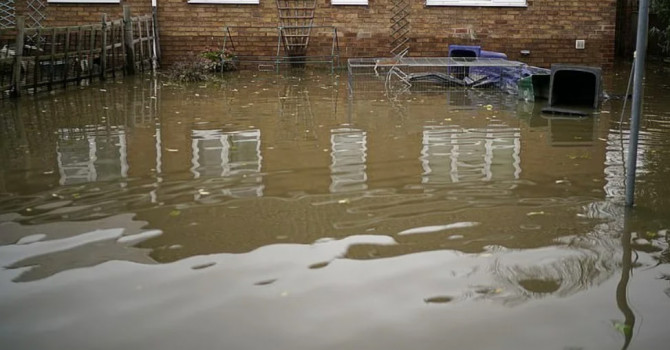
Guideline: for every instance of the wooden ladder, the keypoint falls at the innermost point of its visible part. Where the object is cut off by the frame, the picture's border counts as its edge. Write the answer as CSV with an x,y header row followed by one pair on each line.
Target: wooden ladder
x,y
296,18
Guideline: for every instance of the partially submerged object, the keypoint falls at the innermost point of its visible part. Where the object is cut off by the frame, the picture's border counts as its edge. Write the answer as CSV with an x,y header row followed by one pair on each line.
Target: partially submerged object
x,y
574,90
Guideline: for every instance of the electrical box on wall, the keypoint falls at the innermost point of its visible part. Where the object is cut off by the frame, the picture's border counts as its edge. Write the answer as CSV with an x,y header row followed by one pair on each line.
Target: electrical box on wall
x,y
580,44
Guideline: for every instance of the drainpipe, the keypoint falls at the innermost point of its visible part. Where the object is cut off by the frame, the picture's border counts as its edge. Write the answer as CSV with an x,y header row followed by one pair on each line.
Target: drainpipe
x,y
640,57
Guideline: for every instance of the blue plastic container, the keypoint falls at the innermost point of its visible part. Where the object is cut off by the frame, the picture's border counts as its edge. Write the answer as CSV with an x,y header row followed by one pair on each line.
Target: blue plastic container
x,y
464,51
492,54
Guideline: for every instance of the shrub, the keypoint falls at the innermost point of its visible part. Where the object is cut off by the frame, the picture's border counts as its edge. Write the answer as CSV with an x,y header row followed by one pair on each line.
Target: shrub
x,y
662,31
194,68
221,60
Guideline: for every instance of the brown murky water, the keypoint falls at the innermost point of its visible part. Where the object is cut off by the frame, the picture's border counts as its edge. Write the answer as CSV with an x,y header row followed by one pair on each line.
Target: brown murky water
x,y
278,212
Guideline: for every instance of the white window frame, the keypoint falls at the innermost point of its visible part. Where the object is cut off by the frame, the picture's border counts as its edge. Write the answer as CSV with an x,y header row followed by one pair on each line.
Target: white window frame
x,y
83,1
225,2
349,2
487,3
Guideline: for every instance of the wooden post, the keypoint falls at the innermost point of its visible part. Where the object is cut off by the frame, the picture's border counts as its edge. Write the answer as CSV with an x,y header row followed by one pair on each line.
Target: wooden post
x,y
36,68
103,51
52,71
80,41
128,40
66,57
18,56
91,51
141,41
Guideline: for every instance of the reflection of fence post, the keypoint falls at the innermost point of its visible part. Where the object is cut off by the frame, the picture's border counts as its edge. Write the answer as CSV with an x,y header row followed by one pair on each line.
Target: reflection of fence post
x,y
18,56
103,52
128,40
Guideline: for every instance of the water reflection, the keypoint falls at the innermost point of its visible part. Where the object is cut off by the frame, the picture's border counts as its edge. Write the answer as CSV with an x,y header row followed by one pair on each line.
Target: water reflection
x,y
229,154
572,132
348,160
454,154
91,154
289,209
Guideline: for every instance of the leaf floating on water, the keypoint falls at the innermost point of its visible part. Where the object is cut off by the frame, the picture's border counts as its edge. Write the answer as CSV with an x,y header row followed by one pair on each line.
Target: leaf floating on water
x,y
319,265
622,327
344,201
438,300
265,282
488,107
175,213
203,266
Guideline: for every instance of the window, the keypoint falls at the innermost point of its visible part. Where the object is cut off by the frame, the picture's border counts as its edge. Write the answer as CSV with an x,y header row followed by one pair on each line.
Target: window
x,y
349,2
230,2
492,3
84,1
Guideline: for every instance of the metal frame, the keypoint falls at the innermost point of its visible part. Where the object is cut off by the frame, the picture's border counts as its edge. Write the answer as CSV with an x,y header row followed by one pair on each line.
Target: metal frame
x,y
282,54
399,74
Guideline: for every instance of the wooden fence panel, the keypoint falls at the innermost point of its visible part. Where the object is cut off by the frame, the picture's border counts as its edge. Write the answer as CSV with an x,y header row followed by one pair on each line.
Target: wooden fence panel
x,y
56,56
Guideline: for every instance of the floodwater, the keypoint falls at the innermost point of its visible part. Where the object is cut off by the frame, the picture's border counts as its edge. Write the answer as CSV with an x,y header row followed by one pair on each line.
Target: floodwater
x,y
278,212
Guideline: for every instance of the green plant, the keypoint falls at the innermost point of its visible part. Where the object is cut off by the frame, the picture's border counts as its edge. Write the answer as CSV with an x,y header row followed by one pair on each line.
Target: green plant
x,y
222,60
662,30
194,68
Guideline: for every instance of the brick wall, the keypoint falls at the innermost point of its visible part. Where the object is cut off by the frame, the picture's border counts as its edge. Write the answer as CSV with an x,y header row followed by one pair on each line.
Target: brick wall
x,y
547,28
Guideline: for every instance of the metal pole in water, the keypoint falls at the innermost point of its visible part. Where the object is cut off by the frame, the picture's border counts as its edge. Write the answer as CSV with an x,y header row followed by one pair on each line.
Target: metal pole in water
x,y
636,107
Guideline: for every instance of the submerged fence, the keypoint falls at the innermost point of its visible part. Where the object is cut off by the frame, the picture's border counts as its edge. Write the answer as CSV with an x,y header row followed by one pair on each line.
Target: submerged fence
x,y
33,59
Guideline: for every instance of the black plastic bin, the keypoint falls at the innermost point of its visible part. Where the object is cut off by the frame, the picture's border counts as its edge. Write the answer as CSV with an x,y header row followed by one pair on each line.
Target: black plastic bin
x,y
465,52
574,89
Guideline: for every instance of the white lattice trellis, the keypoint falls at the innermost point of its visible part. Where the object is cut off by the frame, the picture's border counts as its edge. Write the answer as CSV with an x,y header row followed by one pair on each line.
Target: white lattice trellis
x,y
37,12
400,27
7,14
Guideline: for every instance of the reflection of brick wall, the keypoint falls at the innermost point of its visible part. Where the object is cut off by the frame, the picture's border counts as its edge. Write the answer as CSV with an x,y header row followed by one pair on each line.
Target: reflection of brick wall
x,y
548,28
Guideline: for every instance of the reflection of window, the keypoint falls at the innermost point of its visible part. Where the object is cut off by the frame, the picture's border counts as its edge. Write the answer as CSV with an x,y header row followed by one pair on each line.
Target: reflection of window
x,y
452,154
86,156
493,3
348,156
229,154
